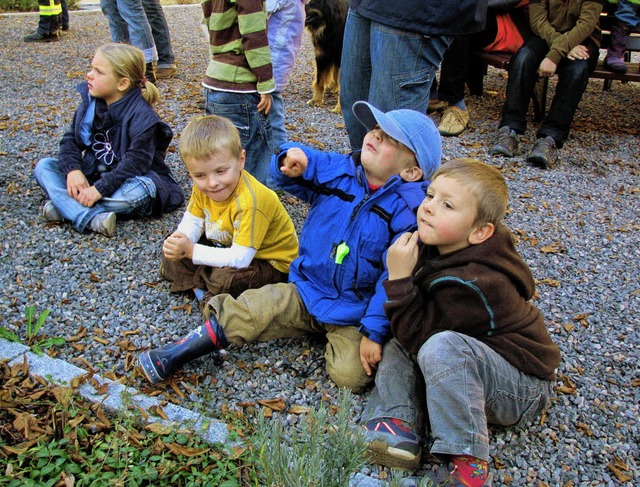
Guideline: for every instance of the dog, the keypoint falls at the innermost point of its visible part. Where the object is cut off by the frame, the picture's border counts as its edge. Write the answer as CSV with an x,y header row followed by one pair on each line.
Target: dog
x,y
325,20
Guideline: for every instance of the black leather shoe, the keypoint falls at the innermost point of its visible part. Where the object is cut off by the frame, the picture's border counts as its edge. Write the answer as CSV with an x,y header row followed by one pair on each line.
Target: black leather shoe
x,y
38,37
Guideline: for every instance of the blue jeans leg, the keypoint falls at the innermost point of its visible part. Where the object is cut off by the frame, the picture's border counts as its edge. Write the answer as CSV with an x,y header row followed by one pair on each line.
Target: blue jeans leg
x,y
135,196
254,127
573,77
469,385
160,32
278,130
388,67
138,28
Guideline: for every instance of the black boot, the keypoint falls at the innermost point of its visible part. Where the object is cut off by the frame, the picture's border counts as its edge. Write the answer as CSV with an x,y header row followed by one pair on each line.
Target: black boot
x,y
160,363
614,61
150,72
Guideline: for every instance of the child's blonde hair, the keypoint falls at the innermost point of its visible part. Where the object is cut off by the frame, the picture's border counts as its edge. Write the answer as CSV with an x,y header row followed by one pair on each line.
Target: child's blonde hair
x,y
207,135
128,62
486,183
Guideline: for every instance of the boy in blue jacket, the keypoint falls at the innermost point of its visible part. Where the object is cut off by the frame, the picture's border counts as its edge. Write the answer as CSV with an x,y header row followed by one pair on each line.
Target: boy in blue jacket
x,y
360,204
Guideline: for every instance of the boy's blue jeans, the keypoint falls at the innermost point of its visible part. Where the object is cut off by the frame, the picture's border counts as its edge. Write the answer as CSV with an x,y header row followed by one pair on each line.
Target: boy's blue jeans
x,y
390,68
134,197
256,134
459,384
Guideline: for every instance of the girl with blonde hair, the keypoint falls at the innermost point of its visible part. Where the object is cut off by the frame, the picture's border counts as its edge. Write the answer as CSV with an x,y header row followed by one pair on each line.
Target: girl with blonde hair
x,y
111,160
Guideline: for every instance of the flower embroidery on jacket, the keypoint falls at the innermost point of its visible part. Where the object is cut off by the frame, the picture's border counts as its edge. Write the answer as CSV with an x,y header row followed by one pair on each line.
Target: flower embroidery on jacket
x,y
102,148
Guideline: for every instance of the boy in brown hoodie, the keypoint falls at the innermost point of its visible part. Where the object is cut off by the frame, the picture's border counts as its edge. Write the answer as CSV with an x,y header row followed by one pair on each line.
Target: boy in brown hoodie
x,y
469,347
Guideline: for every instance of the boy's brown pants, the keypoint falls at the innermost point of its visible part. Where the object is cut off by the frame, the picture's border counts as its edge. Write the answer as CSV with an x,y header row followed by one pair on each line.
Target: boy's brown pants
x,y
185,275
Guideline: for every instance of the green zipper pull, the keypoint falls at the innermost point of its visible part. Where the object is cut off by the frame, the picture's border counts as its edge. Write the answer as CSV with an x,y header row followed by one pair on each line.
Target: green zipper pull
x,y
341,252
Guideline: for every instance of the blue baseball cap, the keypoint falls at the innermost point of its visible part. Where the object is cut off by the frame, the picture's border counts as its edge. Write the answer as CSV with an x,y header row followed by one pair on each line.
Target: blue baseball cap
x,y
409,127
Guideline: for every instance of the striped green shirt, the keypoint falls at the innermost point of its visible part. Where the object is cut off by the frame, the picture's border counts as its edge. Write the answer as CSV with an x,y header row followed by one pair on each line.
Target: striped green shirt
x,y
240,57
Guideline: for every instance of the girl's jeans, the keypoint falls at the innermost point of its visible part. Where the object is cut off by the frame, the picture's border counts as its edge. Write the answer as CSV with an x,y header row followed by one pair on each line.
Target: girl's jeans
x,y
134,197
573,77
459,384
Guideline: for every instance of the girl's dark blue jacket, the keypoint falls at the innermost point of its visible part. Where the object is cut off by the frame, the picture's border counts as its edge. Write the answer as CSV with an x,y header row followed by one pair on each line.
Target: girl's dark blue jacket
x,y
139,141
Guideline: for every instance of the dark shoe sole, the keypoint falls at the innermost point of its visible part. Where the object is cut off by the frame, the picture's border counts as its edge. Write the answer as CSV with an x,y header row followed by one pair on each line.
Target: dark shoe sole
x,y
149,369
381,453
538,161
501,151
46,39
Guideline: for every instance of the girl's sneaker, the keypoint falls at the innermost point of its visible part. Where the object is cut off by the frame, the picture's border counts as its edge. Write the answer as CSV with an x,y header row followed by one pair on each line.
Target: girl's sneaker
x,y
50,213
104,223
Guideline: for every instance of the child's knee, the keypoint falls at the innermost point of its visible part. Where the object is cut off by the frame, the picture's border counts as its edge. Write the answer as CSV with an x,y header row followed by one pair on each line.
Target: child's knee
x,y
442,351
350,376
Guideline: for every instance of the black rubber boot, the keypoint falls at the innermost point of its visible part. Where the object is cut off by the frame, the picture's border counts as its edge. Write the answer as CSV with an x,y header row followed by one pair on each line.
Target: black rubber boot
x,y
160,363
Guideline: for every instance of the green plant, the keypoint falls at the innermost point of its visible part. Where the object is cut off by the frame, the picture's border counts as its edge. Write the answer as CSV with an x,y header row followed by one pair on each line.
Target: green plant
x,y
33,327
50,436
321,451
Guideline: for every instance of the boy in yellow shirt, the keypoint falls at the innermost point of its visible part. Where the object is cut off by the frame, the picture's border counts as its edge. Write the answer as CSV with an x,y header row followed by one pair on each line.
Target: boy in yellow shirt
x,y
248,237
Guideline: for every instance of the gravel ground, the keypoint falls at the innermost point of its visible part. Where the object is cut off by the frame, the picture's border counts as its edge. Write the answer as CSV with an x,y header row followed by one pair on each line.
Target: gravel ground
x,y
578,227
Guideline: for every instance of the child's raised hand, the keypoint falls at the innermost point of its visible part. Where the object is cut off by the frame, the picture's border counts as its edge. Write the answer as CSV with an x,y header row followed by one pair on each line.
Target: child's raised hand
x,y
402,256
294,164
177,246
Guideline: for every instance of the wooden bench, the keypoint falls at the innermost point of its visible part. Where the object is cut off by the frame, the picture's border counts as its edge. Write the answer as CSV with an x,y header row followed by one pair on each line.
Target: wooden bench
x,y
500,60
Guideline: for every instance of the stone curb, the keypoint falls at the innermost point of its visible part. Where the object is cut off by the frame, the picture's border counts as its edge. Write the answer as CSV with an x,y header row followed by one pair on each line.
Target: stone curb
x,y
117,397
57,371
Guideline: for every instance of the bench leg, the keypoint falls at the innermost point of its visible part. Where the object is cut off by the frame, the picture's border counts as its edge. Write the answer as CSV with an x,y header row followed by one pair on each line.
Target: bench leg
x,y
539,99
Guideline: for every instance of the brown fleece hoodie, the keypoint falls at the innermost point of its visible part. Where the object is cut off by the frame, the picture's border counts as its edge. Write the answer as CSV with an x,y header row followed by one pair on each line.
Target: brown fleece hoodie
x,y
482,291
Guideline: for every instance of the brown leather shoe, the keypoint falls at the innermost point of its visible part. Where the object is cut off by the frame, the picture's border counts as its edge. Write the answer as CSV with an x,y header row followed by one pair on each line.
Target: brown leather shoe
x,y
166,73
150,73
505,143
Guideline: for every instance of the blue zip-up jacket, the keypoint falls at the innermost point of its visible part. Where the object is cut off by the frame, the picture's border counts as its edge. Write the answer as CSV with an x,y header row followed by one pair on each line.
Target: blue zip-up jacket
x,y
345,211
139,141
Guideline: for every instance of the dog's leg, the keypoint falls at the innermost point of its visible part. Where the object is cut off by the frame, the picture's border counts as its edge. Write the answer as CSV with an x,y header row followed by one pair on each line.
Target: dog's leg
x,y
318,85
335,84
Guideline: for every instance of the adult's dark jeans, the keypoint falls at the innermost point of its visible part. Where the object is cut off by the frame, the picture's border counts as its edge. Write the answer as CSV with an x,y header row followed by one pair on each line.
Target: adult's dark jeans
x,y
573,77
